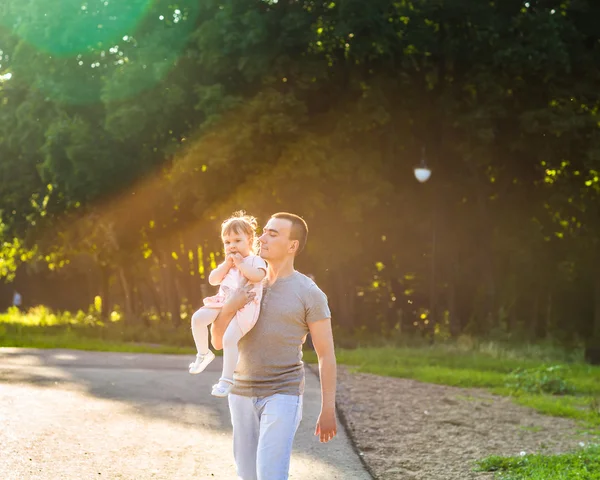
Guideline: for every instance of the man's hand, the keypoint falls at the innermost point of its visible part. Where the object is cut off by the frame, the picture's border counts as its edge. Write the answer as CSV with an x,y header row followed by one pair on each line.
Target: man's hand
x,y
235,301
240,297
326,427
322,337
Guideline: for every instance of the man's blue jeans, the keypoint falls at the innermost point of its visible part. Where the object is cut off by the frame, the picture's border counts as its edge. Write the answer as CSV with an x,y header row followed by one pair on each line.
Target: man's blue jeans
x,y
263,434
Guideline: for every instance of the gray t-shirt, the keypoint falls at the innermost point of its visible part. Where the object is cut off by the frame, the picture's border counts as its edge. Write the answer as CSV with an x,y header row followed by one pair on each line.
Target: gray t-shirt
x,y
270,358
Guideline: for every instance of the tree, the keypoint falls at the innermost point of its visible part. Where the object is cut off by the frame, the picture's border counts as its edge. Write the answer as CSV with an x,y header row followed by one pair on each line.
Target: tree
x,y
151,131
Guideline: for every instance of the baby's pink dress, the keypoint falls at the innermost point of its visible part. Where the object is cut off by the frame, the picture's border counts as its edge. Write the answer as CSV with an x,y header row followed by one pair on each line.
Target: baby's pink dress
x,y
248,315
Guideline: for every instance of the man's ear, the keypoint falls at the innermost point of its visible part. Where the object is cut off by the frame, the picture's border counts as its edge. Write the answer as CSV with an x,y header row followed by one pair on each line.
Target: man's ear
x,y
294,247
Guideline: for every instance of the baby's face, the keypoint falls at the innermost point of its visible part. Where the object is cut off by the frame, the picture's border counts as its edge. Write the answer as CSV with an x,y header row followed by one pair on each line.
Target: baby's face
x,y
237,243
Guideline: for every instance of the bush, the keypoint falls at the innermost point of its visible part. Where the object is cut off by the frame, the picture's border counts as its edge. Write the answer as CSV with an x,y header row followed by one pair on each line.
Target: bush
x,y
540,380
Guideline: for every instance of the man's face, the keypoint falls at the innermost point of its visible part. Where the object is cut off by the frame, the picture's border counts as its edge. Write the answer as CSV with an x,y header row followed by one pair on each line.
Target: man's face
x,y
275,243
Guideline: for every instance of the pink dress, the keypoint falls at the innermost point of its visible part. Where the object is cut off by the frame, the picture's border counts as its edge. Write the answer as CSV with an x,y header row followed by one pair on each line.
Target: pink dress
x,y
248,315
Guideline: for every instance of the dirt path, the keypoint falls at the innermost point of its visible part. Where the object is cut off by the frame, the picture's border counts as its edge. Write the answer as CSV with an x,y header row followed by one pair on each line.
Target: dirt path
x,y
69,415
416,431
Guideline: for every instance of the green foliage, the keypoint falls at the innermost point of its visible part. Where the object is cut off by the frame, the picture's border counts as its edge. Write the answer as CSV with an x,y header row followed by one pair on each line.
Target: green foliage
x,y
546,379
12,253
583,464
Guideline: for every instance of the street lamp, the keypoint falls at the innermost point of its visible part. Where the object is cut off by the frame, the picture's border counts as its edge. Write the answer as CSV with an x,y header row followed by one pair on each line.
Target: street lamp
x,y
422,174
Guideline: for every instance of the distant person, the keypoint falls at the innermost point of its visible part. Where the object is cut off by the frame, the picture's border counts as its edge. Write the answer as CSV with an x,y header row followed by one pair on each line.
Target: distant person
x,y
17,300
241,266
266,400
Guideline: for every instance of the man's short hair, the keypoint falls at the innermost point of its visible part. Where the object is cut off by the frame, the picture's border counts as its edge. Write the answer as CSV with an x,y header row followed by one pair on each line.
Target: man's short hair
x,y
299,229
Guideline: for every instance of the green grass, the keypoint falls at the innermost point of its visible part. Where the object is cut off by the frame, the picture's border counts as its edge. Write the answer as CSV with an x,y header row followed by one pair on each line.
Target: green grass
x,y
582,465
40,328
76,343
579,408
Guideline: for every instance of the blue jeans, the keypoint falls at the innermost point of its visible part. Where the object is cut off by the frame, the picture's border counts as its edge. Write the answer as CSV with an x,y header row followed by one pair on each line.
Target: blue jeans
x,y
263,434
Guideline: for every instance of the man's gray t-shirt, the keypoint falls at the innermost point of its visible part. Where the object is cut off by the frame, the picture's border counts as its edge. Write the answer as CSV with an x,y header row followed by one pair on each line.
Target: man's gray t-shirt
x,y
270,355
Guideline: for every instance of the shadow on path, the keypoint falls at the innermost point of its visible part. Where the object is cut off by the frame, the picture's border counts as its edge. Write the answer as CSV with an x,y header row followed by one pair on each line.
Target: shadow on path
x,y
162,399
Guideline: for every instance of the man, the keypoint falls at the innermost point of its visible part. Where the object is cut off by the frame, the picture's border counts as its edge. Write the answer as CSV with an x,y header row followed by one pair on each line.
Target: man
x,y
266,401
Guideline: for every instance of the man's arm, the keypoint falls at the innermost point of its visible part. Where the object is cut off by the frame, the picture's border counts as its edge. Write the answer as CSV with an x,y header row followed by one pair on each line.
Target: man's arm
x,y
236,300
322,338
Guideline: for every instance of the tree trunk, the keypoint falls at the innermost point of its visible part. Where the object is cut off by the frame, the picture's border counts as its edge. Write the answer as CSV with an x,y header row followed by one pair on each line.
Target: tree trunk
x,y
91,286
455,326
592,347
535,313
396,313
105,292
597,307
344,300
173,301
486,256
129,313
548,324
153,294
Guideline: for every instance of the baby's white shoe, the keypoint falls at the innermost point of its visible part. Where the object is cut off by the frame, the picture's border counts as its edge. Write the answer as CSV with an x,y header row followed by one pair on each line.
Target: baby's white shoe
x,y
223,388
202,361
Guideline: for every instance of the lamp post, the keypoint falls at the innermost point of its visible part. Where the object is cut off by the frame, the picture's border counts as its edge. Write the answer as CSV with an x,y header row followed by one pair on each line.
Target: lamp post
x,y
422,174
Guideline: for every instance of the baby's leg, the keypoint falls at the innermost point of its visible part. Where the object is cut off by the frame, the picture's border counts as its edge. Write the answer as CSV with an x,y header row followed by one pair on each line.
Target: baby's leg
x,y
200,322
232,336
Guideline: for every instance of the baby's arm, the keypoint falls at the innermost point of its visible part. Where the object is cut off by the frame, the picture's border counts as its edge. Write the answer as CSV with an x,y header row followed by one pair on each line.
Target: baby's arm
x,y
218,274
250,272
253,274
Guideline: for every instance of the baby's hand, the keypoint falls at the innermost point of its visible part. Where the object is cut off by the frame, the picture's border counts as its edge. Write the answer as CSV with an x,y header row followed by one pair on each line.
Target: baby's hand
x,y
229,260
237,259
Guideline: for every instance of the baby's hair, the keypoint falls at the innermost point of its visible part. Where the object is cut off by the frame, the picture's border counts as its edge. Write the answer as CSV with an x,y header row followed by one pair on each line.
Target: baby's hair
x,y
241,224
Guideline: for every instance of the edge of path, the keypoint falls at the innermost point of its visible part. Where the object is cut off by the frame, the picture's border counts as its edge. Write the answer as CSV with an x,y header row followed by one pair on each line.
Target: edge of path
x,y
345,424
